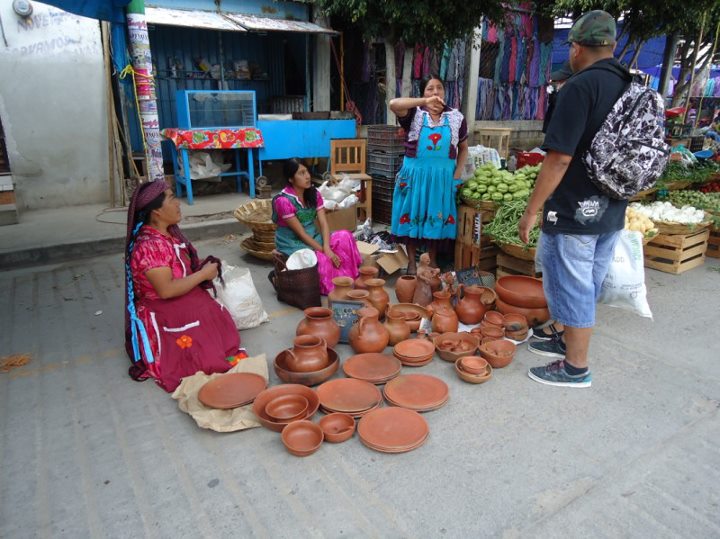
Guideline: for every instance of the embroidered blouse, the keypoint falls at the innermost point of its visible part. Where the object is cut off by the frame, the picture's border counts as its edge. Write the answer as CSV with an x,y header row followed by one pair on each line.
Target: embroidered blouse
x,y
285,209
154,250
412,122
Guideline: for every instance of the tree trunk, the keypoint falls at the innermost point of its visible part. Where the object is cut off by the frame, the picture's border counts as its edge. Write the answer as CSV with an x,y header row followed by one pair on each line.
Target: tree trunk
x,y
671,43
685,60
389,79
636,54
406,89
624,49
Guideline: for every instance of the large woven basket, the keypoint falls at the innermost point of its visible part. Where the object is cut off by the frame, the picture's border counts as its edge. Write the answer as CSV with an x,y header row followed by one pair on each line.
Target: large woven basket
x,y
258,252
487,205
671,228
256,214
518,251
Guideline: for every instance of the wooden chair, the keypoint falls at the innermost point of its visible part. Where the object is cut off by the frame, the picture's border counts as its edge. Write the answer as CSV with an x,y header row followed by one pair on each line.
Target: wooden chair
x,y
347,156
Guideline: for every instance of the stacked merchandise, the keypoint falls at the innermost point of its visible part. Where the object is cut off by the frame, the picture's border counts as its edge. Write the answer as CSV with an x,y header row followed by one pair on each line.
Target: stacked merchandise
x,y
385,156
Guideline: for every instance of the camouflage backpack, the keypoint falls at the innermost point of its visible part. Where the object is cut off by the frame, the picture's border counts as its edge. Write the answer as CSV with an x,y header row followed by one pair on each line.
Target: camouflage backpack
x,y
628,153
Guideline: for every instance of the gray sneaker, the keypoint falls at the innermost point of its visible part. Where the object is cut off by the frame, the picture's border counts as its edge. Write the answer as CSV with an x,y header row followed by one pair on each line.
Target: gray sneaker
x,y
554,374
554,347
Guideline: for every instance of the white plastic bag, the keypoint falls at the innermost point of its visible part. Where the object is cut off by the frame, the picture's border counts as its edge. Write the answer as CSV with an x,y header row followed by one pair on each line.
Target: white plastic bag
x,y
240,297
624,285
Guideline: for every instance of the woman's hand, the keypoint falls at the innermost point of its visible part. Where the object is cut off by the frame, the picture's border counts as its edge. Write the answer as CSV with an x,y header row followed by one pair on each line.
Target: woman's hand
x,y
210,271
434,104
335,259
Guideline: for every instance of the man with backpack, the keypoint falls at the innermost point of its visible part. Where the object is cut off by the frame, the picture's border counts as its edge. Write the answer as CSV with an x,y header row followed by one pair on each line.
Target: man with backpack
x,y
580,222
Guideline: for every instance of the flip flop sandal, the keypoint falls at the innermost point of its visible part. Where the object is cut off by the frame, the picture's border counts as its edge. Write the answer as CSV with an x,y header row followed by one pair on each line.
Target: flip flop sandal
x,y
540,334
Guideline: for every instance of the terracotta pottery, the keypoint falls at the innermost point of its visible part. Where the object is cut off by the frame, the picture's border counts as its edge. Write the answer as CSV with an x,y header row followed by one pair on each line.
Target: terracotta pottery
x,y
472,378
305,378
343,285
521,291
517,335
309,353
533,316
419,392
405,288
287,408
474,364
494,318
515,322
445,321
414,348
474,303
270,393
366,272
493,332
319,321
413,314
337,427
302,438
231,390
393,430
397,328
441,302
423,293
368,334
362,296
348,395
373,368
378,296
498,353
451,346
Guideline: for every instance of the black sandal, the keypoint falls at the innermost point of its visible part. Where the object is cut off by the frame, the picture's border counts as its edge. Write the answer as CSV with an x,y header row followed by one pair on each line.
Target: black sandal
x,y
540,334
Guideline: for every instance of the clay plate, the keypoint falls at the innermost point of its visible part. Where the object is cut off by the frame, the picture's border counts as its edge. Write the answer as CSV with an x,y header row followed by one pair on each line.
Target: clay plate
x,y
373,368
396,450
348,395
283,389
417,391
231,390
393,429
305,378
414,348
302,438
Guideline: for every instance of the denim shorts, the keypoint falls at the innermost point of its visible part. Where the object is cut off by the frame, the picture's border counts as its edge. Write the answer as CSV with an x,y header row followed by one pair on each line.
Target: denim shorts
x,y
574,268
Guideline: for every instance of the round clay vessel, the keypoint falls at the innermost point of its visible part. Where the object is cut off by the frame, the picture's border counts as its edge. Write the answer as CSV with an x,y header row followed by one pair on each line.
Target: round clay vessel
x,y
493,332
378,296
498,353
337,427
270,393
451,346
359,295
319,321
494,318
309,353
474,364
405,288
302,438
515,322
521,291
287,408
397,327
533,316
343,285
368,334
366,272
444,321
305,378
475,302
441,302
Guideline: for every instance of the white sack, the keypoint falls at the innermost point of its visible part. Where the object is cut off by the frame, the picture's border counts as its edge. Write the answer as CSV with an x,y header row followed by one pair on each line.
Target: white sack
x,y
240,297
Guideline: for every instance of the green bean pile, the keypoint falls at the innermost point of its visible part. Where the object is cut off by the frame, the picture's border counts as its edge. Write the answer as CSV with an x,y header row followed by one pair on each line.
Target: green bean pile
x,y
504,227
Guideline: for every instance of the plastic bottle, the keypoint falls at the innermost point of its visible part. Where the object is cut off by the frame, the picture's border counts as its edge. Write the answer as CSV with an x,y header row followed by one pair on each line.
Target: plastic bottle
x,y
512,163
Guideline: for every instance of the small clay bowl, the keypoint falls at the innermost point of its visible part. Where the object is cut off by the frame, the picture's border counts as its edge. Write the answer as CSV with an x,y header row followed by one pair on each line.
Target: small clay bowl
x,y
287,408
493,317
474,364
451,346
270,393
521,291
515,322
302,438
519,335
493,332
498,353
337,427
473,378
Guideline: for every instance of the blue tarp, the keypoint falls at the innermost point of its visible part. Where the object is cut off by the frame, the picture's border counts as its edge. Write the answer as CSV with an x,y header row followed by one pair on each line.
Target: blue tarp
x,y
104,10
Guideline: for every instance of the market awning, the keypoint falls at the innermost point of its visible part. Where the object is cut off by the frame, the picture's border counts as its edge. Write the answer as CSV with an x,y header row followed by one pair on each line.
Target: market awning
x,y
234,22
209,20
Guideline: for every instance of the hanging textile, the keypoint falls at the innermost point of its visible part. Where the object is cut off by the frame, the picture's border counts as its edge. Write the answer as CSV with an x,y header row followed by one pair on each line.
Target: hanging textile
x,y
417,62
507,52
444,60
513,58
499,59
427,53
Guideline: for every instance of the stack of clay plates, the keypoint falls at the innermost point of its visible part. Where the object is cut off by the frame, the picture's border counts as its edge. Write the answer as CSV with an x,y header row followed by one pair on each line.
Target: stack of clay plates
x,y
414,352
419,392
231,390
374,368
349,396
393,430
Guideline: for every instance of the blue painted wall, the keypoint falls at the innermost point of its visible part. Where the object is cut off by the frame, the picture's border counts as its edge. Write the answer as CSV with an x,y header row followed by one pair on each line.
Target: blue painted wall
x,y
261,8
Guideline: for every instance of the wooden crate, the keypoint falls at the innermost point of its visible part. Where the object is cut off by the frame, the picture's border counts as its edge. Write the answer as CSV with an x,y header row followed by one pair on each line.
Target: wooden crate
x,y
713,247
472,247
509,265
677,253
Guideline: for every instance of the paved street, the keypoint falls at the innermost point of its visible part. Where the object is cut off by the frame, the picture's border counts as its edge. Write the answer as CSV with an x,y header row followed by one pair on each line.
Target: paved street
x,y
87,452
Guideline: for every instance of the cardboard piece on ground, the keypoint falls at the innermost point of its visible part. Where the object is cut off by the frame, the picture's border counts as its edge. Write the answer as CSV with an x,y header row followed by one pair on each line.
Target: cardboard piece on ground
x,y
369,253
392,262
344,219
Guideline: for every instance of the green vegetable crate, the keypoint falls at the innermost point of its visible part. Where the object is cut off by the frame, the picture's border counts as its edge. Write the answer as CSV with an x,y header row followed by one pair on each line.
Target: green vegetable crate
x,y
677,253
472,247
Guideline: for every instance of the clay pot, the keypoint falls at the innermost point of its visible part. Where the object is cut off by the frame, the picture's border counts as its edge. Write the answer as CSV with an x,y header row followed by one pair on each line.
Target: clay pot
x,y
319,321
378,296
309,353
405,288
441,302
521,291
475,302
533,316
445,321
359,295
366,272
343,285
397,328
368,334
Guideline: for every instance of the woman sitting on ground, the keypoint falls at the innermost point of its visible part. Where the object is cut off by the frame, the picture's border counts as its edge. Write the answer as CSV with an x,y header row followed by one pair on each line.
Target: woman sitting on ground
x,y
298,211
173,327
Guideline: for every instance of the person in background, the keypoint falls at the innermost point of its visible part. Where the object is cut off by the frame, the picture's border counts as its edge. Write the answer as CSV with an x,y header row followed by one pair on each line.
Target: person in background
x,y
424,209
173,327
580,225
300,215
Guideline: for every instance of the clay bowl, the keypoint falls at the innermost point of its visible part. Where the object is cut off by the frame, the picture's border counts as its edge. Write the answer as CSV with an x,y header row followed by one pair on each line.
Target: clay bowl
x,y
519,335
498,353
337,427
472,378
302,438
286,408
533,316
493,318
515,322
305,378
270,393
413,314
474,364
493,332
414,348
521,291
451,346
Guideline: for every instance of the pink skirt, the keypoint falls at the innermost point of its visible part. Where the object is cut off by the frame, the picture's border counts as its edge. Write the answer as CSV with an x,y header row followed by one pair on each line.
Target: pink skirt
x,y
343,245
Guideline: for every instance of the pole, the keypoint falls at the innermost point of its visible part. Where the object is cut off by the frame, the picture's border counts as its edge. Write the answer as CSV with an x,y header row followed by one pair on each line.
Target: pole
x,y
698,44
702,96
145,88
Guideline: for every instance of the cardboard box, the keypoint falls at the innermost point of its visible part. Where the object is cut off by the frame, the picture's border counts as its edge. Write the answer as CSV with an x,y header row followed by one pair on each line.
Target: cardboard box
x,y
388,262
368,251
344,219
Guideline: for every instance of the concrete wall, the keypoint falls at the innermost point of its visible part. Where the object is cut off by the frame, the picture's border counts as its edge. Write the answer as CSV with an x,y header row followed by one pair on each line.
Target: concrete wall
x,y
53,107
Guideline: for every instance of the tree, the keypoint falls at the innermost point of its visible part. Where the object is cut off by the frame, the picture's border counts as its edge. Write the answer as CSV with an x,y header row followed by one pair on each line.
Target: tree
x,y
421,21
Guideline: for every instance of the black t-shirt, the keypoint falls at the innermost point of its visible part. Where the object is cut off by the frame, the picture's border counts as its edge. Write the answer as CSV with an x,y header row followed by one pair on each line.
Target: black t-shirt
x,y
577,206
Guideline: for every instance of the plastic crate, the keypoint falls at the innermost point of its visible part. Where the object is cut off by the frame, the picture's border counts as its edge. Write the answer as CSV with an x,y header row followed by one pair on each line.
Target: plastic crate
x,y
382,211
384,164
386,139
528,159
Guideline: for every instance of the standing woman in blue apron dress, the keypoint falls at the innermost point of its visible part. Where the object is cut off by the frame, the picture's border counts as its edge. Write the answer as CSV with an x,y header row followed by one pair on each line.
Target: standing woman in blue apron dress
x,y
424,209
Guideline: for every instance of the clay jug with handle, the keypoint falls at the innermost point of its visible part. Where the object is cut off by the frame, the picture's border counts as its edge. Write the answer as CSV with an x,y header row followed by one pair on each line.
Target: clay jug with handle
x,y
441,302
397,327
308,354
368,334
319,322
445,321
474,303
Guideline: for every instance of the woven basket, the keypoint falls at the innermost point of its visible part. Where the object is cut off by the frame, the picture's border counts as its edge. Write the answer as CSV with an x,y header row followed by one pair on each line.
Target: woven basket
x,y
670,228
676,186
256,214
251,247
480,204
264,236
518,251
643,195
299,288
